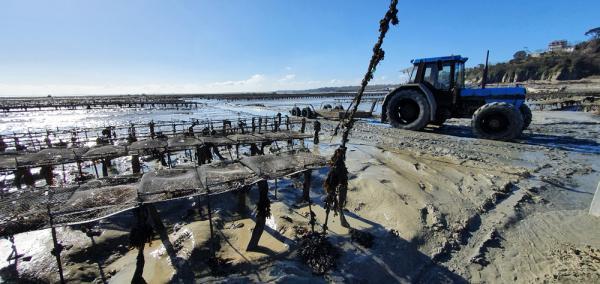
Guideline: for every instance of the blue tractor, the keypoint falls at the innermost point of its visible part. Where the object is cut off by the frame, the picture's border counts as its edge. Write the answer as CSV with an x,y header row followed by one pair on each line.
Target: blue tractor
x,y
436,91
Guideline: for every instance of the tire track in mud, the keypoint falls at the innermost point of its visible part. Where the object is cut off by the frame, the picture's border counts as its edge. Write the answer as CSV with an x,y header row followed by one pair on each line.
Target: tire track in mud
x,y
487,229
542,171
469,243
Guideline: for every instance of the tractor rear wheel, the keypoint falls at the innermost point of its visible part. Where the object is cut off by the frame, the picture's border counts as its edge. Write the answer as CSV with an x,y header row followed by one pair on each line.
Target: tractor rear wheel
x,y
527,115
497,121
408,109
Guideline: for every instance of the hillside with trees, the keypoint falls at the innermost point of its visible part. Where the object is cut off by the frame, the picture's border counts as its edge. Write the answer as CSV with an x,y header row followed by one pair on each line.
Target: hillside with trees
x,y
580,61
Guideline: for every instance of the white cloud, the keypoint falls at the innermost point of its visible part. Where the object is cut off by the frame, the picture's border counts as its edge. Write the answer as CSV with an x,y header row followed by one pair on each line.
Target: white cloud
x,y
255,83
287,78
314,82
288,68
335,82
253,80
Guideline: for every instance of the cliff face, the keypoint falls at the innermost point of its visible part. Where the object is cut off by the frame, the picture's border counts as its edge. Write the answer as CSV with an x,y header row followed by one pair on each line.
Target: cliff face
x,y
584,61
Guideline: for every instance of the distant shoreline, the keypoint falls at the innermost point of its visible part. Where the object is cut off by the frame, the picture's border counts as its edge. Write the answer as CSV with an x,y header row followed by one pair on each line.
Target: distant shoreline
x,y
9,104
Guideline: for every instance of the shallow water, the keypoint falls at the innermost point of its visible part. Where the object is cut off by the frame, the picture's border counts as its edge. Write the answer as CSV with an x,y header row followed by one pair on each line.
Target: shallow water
x,y
208,109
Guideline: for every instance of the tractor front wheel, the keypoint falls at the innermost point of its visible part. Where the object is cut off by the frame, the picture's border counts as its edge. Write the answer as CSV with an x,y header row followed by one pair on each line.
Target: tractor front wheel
x,y
497,121
527,115
408,109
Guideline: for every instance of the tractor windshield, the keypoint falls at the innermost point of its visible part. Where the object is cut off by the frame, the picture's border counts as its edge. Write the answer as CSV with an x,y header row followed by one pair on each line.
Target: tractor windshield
x,y
413,74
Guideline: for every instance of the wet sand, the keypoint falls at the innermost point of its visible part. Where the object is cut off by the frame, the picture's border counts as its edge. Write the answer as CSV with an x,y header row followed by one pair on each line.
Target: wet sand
x,y
442,206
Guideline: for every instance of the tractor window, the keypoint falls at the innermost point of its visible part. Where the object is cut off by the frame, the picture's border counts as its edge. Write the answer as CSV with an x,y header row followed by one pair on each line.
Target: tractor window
x,y
439,79
429,74
444,77
459,75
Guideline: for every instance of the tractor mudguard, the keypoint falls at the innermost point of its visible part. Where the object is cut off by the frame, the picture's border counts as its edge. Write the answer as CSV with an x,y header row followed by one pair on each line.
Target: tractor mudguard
x,y
421,87
511,95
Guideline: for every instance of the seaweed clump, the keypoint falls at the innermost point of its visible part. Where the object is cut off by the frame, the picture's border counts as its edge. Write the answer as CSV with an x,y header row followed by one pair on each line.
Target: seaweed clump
x,y
219,266
364,239
318,253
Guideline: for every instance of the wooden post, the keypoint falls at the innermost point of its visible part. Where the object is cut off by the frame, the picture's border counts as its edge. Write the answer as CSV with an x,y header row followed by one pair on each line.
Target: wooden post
x,y
260,124
373,106
306,185
279,118
139,266
303,125
230,155
104,167
287,122
46,172
64,174
79,170
242,195
210,223
135,164
266,124
263,210
151,126
95,169
57,247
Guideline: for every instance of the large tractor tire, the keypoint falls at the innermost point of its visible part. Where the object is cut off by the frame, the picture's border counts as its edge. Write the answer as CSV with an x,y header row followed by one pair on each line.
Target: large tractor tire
x,y
408,109
527,115
296,111
307,112
497,121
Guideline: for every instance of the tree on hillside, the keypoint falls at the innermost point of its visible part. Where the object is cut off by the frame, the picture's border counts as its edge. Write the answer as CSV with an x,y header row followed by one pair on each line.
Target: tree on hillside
x,y
594,33
520,55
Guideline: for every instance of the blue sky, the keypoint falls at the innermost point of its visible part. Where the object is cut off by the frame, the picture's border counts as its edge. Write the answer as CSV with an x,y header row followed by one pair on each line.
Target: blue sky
x,y
118,46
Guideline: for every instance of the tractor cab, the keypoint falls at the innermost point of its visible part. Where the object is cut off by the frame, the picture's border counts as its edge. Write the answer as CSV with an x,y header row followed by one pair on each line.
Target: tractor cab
x,y
444,77
439,73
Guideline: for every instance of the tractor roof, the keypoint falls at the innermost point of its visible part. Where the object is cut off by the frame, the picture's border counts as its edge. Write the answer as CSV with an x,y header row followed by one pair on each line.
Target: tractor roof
x,y
442,59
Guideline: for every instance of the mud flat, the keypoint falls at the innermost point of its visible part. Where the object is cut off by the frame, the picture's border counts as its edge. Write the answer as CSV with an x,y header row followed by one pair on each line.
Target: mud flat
x,y
442,206
582,95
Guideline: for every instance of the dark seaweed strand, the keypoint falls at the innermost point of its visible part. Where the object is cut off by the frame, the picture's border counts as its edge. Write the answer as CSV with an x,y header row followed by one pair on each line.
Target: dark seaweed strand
x,y
337,178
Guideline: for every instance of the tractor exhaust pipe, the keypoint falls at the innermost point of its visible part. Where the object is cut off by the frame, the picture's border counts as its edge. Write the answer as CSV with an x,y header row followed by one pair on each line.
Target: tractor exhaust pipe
x,y
485,70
